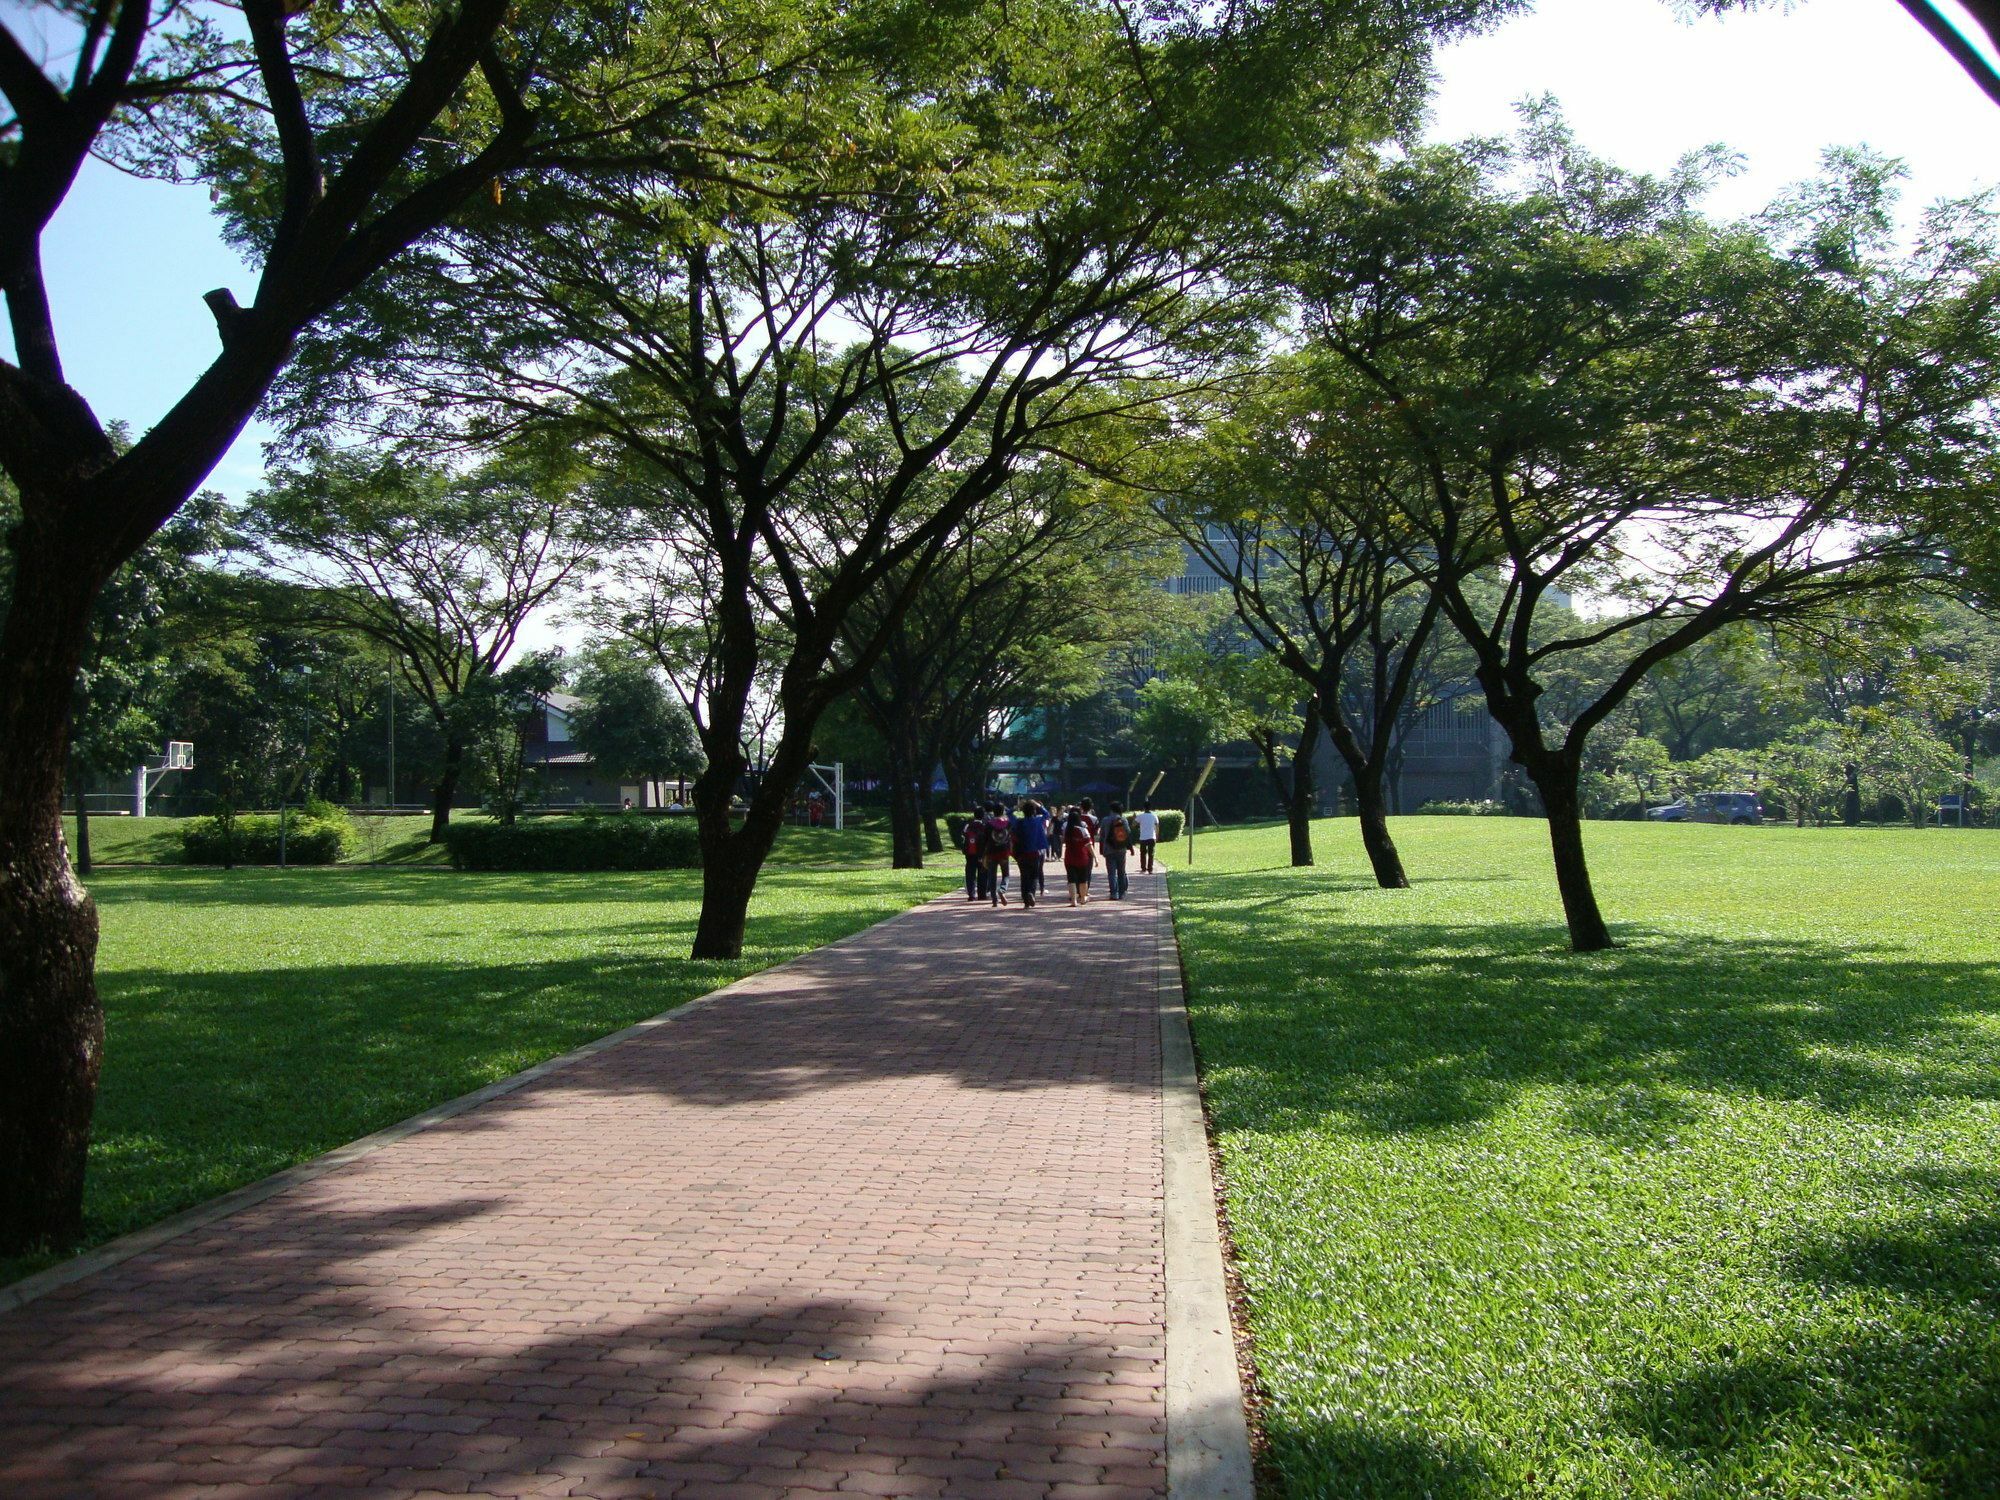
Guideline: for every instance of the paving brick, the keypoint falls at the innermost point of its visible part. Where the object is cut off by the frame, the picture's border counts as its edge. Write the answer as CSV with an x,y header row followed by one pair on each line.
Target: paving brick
x,y
886,1221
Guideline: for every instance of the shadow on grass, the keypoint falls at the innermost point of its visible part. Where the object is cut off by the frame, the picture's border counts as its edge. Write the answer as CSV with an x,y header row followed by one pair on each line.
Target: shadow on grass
x,y
1325,1024
1413,1025
1921,1370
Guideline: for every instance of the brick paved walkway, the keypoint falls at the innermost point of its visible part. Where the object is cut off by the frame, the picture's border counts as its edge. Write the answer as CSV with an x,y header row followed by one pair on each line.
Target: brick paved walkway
x,y
886,1221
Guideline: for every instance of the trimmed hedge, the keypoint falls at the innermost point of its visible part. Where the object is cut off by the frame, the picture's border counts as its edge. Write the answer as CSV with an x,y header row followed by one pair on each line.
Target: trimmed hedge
x,y
629,841
1447,809
309,840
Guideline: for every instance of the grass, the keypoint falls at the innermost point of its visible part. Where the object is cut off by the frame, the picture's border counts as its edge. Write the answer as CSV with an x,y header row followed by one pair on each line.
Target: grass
x,y
256,1018
405,840
1714,1214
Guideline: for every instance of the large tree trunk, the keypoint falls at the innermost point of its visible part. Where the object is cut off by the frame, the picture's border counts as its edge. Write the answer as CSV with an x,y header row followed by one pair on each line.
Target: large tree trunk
x,y
1366,776
445,789
1559,782
51,1025
1299,808
906,840
732,857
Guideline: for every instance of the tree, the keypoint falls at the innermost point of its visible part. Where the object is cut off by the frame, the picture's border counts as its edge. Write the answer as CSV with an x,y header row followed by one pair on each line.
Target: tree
x,y
497,717
1907,758
1807,769
1020,608
629,724
1727,689
1256,698
442,570
366,138
1645,761
1606,394
1028,220
1176,720
1293,504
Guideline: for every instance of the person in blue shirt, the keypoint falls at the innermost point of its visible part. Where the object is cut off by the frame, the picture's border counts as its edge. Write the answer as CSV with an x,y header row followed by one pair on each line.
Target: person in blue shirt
x,y
1031,847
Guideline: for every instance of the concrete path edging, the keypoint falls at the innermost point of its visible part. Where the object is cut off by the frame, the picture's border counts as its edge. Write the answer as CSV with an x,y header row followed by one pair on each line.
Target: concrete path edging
x,y
233,1202
1208,1436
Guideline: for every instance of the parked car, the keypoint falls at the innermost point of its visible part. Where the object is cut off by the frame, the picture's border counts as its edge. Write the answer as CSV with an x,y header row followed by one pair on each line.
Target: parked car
x,y
1710,807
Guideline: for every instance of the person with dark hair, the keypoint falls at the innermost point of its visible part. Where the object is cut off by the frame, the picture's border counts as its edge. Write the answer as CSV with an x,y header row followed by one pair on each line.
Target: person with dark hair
x,y
1149,836
999,848
1115,838
973,839
1031,847
1079,853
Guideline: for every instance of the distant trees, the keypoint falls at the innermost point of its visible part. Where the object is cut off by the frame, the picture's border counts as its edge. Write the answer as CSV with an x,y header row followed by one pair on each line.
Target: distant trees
x,y
627,722
1291,501
441,569
1606,394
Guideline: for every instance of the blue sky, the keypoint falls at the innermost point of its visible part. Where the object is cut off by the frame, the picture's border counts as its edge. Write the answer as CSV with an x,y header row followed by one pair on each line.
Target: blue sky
x,y
1639,86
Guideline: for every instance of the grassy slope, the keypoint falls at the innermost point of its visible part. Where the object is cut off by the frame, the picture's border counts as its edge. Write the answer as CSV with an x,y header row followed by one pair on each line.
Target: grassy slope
x,y
1717,1213
256,1018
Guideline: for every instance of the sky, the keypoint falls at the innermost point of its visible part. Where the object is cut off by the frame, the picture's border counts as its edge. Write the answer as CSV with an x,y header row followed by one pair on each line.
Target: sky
x,y
1639,86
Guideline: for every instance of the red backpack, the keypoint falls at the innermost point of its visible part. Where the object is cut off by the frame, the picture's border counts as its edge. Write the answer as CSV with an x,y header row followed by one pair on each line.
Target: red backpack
x,y
1117,835
975,839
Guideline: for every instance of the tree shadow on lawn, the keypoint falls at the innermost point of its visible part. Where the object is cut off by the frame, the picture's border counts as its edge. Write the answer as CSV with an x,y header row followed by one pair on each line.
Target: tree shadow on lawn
x,y
1427,1025
1915,1369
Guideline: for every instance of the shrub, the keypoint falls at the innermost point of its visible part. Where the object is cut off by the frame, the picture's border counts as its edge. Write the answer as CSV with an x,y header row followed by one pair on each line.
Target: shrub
x,y
309,839
630,841
1170,824
1449,809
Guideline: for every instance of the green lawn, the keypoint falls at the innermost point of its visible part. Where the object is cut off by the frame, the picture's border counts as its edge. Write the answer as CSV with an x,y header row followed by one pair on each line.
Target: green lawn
x,y
405,840
255,1018
1717,1213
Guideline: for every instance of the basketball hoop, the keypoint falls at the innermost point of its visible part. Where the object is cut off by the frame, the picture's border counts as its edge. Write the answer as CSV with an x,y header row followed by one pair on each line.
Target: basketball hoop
x,y
179,757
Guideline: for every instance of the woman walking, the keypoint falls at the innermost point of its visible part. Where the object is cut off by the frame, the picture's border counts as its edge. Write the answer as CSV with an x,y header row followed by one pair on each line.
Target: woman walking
x,y
1079,852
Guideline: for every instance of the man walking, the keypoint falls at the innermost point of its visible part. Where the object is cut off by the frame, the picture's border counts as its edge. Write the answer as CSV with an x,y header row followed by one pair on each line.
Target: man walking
x,y
1149,835
1115,838
1031,848
974,836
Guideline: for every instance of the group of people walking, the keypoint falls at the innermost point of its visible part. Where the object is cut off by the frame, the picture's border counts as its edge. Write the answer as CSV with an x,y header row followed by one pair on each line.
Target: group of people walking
x,y
997,841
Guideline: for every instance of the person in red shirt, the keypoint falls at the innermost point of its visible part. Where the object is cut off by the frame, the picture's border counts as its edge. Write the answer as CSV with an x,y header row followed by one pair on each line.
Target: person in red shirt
x,y
1079,853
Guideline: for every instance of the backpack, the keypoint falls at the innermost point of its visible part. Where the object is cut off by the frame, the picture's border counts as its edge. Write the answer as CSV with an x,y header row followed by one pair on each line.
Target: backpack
x,y
975,838
1117,835
999,840
1076,846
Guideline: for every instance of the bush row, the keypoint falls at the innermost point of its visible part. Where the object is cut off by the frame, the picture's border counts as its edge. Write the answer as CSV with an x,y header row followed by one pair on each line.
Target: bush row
x,y
576,843
313,837
1448,809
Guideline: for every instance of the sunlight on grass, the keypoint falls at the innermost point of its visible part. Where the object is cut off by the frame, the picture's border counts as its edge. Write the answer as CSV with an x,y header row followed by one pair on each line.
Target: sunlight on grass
x,y
1711,1214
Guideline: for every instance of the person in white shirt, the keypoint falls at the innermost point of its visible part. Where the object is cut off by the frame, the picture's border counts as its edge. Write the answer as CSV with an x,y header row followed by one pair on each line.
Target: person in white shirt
x,y
1149,835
